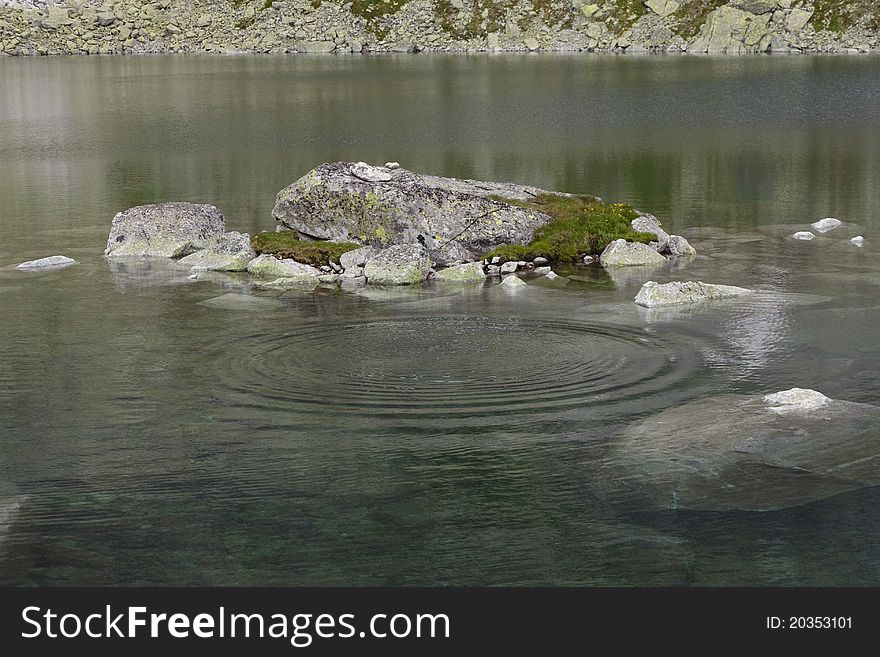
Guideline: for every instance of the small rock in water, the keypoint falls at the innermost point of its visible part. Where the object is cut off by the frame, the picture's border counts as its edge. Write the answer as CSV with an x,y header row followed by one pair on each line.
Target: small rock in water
x,y
621,253
588,260
52,262
829,223
540,261
543,271
858,240
803,235
551,275
654,295
679,246
509,267
392,165
512,282
193,277
794,400
493,270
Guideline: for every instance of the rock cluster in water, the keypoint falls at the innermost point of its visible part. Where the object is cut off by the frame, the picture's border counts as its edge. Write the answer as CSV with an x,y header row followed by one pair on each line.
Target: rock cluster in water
x,y
32,27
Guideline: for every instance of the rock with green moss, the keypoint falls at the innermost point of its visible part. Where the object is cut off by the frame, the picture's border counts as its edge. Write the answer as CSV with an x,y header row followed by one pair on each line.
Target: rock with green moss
x,y
267,266
402,264
471,272
229,252
455,219
164,230
621,253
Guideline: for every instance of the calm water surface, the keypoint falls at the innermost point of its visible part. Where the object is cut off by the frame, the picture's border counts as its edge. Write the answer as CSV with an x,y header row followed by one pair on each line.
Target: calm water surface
x,y
155,429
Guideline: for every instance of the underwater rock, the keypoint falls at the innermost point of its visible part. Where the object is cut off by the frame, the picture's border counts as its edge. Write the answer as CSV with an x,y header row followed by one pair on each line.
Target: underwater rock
x,y
52,262
299,282
738,452
163,230
245,302
654,295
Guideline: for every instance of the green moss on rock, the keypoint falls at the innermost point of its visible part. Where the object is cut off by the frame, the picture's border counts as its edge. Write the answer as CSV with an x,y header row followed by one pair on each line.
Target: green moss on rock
x,y
581,225
287,245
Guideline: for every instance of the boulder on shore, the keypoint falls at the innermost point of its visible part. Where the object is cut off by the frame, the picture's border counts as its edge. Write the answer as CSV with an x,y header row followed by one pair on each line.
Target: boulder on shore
x,y
402,264
655,295
456,220
164,230
228,252
621,253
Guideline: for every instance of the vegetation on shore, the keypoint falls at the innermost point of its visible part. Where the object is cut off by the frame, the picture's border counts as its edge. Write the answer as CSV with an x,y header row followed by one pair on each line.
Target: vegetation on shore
x,y
286,245
581,225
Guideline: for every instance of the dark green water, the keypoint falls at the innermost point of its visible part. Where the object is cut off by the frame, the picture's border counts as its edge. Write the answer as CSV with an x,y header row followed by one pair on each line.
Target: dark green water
x,y
428,436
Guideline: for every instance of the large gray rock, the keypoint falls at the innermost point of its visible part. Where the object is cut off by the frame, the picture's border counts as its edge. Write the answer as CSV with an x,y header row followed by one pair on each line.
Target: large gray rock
x,y
621,253
679,246
740,452
656,295
402,264
229,252
353,202
731,30
268,266
52,262
163,230
352,260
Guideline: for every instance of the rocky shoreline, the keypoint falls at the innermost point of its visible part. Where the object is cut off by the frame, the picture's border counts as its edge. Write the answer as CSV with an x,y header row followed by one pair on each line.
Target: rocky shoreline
x,y
59,27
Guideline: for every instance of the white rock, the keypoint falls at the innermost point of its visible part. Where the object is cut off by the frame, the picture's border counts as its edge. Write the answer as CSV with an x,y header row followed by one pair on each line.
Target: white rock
x,y
858,240
795,400
512,282
370,173
829,223
392,165
52,262
543,271
804,235
621,253
551,275
509,267
654,295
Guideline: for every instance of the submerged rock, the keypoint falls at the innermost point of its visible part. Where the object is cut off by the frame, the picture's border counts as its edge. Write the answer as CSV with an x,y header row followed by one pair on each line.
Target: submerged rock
x,y
9,508
163,230
655,295
829,223
470,272
245,302
52,262
621,253
346,202
301,282
403,264
738,452
228,252
858,240
268,266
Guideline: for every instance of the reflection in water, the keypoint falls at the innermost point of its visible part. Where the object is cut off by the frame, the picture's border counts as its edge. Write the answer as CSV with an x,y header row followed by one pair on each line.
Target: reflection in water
x,y
158,429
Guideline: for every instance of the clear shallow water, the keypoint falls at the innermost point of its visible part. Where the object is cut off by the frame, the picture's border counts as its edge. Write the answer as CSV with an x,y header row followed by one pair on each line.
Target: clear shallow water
x,y
160,430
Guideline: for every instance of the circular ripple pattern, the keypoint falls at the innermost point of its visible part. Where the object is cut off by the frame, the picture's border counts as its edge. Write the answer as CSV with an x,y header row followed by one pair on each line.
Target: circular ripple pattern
x,y
450,365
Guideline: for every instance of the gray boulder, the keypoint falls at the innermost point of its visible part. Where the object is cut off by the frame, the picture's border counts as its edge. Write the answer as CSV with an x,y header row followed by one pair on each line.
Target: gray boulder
x,y
357,258
402,264
512,282
470,272
824,225
268,266
163,230
621,253
382,207
648,223
52,262
228,252
679,246
655,295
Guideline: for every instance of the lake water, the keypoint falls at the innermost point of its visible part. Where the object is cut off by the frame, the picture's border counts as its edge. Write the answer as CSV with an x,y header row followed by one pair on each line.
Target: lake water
x,y
159,430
